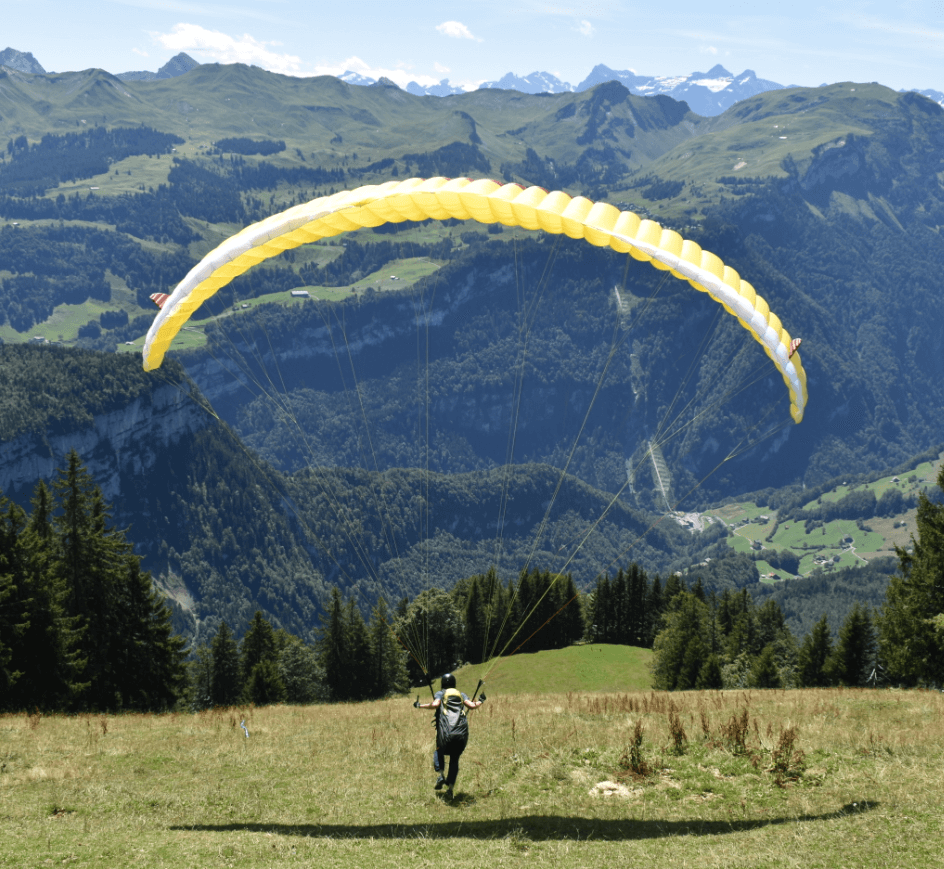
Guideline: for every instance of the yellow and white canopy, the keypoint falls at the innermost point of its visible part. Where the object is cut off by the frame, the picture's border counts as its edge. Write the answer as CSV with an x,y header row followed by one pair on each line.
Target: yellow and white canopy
x,y
487,202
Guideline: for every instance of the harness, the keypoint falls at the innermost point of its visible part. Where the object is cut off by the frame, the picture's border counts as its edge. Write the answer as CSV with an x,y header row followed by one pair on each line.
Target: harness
x,y
452,726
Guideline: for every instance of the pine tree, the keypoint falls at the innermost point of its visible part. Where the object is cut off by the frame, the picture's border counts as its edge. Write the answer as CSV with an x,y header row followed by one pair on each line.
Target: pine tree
x,y
765,673
264,685
853,659
149,656
655,606
258,664
475,624
301,672
358,644
51,654
200,679
258,645
602,611
388,668
334,650
637,590
676,661
911,623
14,618
619,618
226,685
710,677
817,648
570,618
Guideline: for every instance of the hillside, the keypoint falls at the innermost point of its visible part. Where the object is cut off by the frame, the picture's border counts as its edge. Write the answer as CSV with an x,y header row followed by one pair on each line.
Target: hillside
x,y
444,349
815,777
596,667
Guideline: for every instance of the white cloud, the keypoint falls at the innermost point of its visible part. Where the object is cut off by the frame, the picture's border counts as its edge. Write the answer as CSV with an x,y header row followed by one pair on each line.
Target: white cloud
x,y
709,49
585,28
139,51
214,46
457,30
223,48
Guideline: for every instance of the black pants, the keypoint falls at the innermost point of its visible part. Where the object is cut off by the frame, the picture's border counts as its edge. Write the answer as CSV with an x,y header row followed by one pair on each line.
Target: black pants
x,y
453,751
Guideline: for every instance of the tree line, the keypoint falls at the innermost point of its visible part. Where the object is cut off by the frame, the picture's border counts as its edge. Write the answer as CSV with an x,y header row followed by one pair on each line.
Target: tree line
x,y
83,628
727,641
32,169
81,625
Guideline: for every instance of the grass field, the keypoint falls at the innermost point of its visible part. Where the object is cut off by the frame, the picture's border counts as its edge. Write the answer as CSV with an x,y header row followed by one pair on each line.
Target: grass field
x,y
587,668
827,547
827,778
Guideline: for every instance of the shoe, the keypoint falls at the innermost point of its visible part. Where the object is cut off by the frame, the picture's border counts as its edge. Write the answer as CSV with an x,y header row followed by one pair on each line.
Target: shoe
x,y
448,795
439,783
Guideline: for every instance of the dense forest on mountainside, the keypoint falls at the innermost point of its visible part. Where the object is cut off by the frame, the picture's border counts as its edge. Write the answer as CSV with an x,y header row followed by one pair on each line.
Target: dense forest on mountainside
x,y
828,200
234,535
57,390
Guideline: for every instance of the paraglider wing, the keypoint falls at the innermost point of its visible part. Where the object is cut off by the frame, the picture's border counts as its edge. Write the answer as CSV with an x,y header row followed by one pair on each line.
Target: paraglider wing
x,y
159,299
485,201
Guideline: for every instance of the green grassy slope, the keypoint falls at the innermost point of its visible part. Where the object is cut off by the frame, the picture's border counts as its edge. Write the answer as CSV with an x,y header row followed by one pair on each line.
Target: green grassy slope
x,y
829,545
544,782
596,667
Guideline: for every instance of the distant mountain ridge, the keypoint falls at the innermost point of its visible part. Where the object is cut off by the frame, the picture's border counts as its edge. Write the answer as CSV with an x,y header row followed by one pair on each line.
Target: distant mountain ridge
x,y
21,61
177,65
707,93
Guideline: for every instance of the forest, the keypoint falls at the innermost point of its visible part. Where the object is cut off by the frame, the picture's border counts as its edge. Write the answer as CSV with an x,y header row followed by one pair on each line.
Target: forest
x,y
83,628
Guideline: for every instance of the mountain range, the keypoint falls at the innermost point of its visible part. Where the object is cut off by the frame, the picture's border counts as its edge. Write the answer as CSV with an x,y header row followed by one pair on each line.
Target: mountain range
x,y
829,200
707,93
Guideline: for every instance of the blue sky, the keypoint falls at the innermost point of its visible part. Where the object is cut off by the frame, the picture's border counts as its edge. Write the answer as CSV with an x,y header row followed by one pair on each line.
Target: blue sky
x,y
799,42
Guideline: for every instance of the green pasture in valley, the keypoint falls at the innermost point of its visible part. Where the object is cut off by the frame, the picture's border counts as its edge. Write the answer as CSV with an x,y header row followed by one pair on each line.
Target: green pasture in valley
x,y
831,545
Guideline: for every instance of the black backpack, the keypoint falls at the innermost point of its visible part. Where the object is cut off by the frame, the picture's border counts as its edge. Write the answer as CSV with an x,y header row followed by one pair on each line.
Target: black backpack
x,y
452,726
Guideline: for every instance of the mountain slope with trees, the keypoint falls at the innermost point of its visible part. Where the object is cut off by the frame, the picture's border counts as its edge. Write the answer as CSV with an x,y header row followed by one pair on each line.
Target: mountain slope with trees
x,y
827,199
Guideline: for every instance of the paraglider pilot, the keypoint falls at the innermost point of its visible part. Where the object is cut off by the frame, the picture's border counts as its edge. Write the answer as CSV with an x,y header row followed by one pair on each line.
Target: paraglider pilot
x,y
452,729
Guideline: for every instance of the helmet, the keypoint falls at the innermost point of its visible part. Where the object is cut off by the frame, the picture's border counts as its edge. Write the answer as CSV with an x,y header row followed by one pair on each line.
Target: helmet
x,y
447,681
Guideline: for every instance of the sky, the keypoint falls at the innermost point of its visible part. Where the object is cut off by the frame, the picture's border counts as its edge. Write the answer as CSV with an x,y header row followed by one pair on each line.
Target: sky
x,y
800,42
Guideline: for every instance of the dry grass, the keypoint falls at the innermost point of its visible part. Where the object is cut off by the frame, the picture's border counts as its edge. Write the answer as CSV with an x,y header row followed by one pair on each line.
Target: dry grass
x,y
828,778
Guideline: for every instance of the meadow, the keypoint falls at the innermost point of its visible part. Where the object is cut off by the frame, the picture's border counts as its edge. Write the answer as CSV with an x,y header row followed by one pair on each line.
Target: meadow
x,y
835,544
811,778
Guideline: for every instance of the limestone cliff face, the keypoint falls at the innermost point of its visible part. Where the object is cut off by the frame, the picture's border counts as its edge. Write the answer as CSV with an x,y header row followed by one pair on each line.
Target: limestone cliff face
x,y
121,443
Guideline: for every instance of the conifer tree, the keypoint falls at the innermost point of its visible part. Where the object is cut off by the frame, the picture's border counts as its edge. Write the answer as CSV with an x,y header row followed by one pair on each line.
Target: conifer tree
x,y
637,587
602,611
149,656
911,623
226,685
14,618
301,672
655,606
258,645
475,624
388,668
200,679
84,565
681,647
570,618
265,685
765,673
262,681
854,656
51,655
710,677
334,649
817,648
358,644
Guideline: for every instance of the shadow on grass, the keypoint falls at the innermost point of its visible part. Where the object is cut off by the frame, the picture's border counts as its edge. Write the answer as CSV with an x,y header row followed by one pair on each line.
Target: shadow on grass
x,y
537,828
